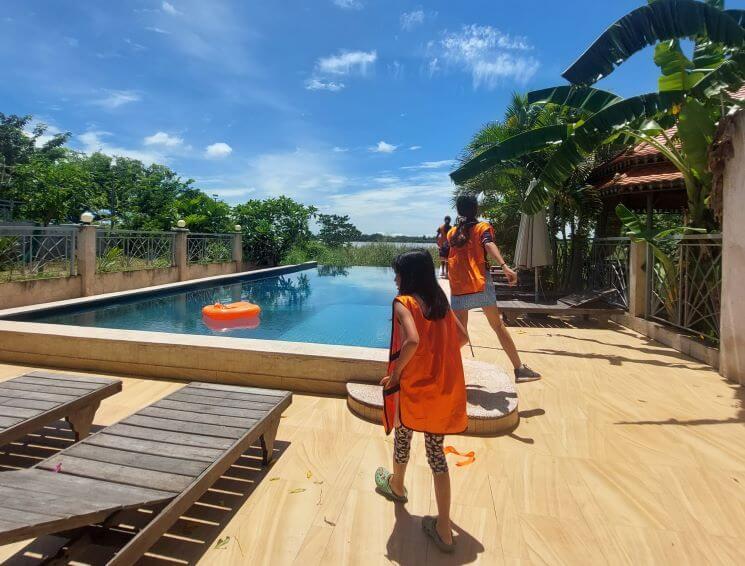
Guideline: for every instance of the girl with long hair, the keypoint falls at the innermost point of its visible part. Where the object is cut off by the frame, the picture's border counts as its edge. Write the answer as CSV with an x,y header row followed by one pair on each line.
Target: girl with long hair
x,y
425,388
471,243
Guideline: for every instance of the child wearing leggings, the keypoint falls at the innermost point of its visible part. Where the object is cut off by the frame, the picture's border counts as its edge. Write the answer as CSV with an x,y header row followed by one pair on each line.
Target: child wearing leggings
x,y
425,388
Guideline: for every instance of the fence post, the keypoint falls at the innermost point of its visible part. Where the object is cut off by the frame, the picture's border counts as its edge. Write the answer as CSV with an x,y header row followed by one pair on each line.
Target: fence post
x,y
638,274
86,252
180,254
238,250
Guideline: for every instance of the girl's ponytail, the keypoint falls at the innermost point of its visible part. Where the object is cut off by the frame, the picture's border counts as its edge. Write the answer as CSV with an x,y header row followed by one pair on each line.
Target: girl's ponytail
x,y
468,209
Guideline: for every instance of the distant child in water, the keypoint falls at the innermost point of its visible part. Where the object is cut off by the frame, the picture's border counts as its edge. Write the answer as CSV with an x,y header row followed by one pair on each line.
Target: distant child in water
x,y
425,389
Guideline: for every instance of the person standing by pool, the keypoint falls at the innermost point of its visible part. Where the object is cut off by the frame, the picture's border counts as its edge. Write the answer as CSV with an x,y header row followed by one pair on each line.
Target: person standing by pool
x,y
471,286
425,388
442,247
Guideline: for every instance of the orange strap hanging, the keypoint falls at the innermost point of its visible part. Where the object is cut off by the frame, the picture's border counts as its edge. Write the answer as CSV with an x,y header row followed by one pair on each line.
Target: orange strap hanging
x,y
470,457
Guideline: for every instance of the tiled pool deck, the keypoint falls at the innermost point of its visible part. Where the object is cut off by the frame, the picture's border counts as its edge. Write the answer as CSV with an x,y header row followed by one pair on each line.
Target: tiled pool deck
x,y
627,453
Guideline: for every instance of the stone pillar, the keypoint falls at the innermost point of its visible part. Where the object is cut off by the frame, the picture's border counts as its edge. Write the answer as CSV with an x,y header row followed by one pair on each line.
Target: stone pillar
x,y
638,279
238,251
86,255
732,343
180,255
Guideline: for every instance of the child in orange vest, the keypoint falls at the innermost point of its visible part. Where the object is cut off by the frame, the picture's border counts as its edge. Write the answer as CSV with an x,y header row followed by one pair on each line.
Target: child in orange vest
x,y
425,388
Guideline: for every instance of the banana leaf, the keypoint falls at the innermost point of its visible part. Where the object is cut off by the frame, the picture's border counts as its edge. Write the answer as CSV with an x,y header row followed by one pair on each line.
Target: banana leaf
x,y
598,129
677,69
516,146
729,76
581,98
696,127
659,21
737,15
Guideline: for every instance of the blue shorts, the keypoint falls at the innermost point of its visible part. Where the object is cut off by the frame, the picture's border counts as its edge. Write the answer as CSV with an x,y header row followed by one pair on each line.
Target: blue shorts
x,y
485,298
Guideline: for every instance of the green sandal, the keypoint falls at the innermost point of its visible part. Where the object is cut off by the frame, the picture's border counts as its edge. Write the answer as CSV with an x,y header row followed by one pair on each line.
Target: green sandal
x,y
429,524
383,486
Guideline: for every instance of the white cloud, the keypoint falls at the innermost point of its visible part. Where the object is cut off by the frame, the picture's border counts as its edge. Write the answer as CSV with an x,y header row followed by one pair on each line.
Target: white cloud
x,y
320,84
431,165
169,8
349,4
301,174
415,147
410,20
93,141
117,98
338,149
383,147
218,150
47,136
164,139
347,63
156,29
490,55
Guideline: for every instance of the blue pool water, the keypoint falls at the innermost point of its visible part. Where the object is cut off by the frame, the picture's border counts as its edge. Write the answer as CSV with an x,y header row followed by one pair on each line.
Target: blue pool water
x,y
350,306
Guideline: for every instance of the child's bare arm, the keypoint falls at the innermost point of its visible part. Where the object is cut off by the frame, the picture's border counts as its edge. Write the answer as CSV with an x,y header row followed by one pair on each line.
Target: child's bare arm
x,y
409,344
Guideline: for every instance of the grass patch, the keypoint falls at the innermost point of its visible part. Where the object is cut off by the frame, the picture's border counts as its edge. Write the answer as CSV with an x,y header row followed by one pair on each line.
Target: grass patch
x,y
374,255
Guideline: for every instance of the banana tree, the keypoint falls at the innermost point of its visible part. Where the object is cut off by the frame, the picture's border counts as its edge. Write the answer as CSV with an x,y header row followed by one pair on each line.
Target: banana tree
x,y
692,92
664,270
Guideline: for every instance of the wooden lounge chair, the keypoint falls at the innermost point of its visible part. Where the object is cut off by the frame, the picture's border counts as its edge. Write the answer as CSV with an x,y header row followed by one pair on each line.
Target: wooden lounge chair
x,y
39,398
591,303
164,457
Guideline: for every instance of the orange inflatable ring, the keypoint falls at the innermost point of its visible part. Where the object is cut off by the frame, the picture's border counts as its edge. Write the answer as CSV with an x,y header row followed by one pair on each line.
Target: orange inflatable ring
x,y
231,311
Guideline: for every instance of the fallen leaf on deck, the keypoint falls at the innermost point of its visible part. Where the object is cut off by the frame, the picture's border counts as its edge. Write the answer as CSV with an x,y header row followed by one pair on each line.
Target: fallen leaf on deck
x,y
222,543
297,490
275,478
325,520
308,474
318,482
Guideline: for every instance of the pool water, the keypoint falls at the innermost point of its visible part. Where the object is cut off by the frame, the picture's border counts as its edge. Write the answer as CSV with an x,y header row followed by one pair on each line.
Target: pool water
x,y
349,306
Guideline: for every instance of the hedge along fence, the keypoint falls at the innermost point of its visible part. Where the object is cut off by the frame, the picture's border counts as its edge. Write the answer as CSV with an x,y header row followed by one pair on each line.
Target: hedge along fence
x,y
130,250
209,248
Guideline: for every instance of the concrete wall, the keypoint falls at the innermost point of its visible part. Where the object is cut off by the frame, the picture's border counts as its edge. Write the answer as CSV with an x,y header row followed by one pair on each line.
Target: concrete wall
x,y
22,293
732,346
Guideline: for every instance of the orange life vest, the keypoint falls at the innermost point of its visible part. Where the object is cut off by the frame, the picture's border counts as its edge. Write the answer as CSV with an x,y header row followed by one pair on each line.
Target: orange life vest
x,y
431,396
442,236
467,265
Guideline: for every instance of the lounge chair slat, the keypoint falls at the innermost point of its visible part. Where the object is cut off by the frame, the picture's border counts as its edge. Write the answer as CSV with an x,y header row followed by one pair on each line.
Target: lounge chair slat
x,y
42,482
193,440
219,393
71,377
257,409
137,459
116,473
192,416
52,382
240,389
35,395
153,447
27,403
262,403
17,385
183,426
6,422
57,504
37,401
7,411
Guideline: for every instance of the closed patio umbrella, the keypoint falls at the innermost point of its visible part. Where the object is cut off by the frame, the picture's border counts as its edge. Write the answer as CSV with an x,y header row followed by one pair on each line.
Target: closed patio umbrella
x,y
533,248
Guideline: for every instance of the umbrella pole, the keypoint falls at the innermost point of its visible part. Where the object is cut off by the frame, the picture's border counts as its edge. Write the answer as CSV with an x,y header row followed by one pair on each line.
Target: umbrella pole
x,y
535,284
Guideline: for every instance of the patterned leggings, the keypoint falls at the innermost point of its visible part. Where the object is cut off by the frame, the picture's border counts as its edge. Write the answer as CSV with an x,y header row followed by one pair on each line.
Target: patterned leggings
x,y
432,443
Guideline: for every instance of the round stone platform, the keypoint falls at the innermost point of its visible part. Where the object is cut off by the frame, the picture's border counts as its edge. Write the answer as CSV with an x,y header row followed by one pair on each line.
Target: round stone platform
x,y
492,399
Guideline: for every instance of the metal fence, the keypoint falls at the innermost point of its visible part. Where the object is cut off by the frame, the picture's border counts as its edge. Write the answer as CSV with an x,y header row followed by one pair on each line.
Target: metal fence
x,y
29,252
209,248
685,286
130,250
607,267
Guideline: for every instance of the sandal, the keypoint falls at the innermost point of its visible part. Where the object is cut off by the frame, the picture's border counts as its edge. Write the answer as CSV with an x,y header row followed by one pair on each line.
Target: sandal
x,y
383,486
429,524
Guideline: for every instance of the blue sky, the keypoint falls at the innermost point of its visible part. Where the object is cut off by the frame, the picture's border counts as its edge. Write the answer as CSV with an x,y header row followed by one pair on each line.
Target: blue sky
x,y
356,106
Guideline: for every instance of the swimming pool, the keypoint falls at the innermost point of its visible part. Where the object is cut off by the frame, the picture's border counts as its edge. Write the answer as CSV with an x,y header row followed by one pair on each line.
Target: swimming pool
x,y
325,305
